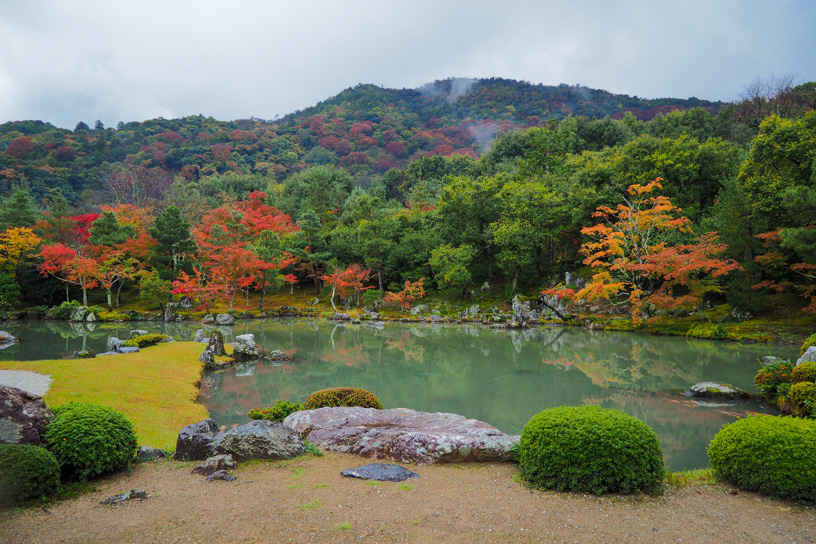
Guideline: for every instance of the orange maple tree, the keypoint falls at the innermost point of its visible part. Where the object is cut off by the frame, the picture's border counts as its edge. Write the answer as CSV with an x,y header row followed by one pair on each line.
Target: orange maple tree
x,y
412,292
348,283
634,262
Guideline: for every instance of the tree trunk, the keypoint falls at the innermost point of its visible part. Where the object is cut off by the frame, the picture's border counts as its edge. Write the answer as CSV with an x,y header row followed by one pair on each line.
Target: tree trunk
x,y
119,293
110,297
332,299
67,294
84,296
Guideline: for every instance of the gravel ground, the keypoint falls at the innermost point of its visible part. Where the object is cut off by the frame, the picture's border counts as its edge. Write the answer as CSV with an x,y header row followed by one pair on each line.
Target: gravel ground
x,y
307,500
34,383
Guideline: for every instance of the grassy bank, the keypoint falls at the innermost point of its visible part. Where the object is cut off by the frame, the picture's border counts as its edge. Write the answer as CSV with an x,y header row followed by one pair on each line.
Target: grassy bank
x,y
156,388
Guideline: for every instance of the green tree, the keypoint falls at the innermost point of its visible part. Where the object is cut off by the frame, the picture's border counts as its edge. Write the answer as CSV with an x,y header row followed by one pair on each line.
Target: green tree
x,y
18,210
153,288
452,267
174,242
107,231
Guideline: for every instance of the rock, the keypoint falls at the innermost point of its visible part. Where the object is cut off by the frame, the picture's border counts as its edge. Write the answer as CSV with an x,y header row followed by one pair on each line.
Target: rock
x,y
340,317
261,439
105,353
83,354
146,453
197,442
246,348
436,318
129,349
418,309
216,344
224,319
114,344
215,463
171,311
137,332
384,472
207,358
374,316
186,302
133,494
808,356
6,338
201,336
207,319
23,417
278,355
90,317
715,390
770,359
220,475
402,434
313,301
79,314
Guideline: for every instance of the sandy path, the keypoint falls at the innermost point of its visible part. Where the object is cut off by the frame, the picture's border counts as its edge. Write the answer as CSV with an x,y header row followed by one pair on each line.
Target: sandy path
x,y
464,503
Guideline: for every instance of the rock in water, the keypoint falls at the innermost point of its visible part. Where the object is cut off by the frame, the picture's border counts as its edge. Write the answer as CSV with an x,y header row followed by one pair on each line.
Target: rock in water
x,y
200,335
23,417
171,311
7,338
197,442
224,319
216,344
384,472
403,435
715,390
245,349
261,439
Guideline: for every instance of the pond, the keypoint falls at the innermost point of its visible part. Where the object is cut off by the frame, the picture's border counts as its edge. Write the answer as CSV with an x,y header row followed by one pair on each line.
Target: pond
x,y
502,377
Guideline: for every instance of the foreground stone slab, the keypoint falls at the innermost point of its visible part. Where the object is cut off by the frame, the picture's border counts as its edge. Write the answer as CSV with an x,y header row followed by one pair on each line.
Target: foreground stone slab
x,y
403,435
261,439
383,472
133,494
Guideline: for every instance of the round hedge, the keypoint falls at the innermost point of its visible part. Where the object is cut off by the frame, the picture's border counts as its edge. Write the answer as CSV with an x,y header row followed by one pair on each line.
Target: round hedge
x,y
802,399
590,449
89,440
342,396
278,412
26,472
806,372
773,455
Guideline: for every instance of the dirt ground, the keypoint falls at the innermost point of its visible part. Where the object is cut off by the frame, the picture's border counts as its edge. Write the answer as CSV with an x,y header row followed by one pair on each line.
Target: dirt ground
x,y
306,500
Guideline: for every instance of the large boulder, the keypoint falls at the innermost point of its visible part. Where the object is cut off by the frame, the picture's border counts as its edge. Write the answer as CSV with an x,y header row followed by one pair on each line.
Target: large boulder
x,y
224,319
808,356
197,442
23,417
245,349
216,344
114,343
713,390
6,338
261,439
137,332
171,311
403,435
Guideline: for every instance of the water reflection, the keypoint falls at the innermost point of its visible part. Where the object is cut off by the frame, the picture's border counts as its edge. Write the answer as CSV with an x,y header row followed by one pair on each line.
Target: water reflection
x,y
499,376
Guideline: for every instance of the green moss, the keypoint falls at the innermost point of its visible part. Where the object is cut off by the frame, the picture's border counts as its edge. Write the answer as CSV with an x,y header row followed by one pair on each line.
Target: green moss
x,y
145,340
278,412
774,456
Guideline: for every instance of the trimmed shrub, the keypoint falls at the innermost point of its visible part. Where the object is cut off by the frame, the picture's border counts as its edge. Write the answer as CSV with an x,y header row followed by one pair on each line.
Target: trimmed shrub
x,y
89,440
278,412
342,396
802,399
590,449
771,376
145,340
26,472
806,372
772,455
810,341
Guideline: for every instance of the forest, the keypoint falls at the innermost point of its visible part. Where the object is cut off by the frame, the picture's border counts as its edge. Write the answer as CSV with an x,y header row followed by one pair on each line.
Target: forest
x,y
661,205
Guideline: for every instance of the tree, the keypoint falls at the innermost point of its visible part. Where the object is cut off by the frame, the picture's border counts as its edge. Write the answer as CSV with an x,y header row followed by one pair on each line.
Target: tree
x,y
411,292
9,291
348,284
452,266
68,266
309,247
16,245
107,231
18,210
153,287
173,241
638,260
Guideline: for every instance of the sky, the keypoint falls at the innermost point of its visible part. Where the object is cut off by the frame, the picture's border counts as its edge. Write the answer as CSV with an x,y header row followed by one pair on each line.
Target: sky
x,y
122,60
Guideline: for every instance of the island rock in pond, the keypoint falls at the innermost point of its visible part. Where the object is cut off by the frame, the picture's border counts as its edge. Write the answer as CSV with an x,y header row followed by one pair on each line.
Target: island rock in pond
x,y
713,390
402,434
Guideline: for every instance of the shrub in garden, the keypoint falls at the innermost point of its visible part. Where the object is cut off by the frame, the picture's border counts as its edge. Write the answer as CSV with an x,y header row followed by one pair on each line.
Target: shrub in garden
x,y
278,412
145,340
89,440
810,341
772,455
26,472
771,376
590,449
806,372
802,399
342,396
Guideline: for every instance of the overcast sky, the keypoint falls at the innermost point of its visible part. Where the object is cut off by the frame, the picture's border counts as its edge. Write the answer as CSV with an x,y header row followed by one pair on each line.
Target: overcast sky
x,y
115,60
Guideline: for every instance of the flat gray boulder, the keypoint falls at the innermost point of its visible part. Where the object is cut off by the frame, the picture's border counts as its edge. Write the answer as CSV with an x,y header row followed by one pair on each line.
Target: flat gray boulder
x,y
23,417
245,348
713,390
224,319
7,338
383,472
808,356
261,439
197,442
403,435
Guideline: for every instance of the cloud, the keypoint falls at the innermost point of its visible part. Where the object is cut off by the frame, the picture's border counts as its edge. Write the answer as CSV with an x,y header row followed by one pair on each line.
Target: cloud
x,y
133,60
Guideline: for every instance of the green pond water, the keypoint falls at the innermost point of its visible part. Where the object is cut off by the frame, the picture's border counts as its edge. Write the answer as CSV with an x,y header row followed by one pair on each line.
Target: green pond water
x,y
502,377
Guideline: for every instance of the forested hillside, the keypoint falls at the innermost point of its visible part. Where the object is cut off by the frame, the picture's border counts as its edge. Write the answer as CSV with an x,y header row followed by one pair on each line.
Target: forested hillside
x,y
459,182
